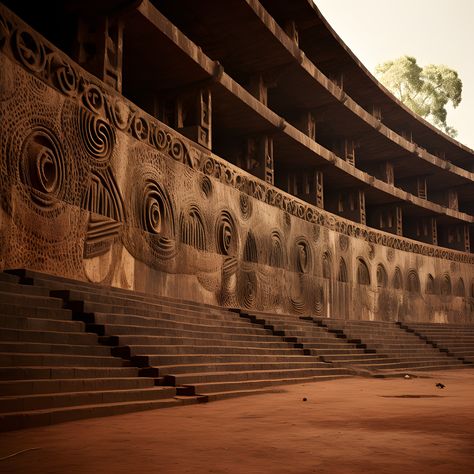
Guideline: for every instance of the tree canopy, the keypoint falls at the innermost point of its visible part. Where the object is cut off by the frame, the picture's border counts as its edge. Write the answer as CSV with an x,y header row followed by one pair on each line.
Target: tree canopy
x,y
425,90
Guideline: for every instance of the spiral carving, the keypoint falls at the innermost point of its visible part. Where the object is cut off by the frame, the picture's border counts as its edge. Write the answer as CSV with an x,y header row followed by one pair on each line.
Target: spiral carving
x,y
206,186
29,50
247,289
42,167
97,135
245,206
226,236
156,212
66,77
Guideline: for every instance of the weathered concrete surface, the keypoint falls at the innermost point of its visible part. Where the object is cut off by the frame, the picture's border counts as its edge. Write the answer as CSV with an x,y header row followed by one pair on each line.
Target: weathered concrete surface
x,y
353,426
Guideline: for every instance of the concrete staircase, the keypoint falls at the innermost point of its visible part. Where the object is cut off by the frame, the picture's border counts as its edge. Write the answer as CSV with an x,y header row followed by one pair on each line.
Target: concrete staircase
x,y
455,339
368,347
52,369
72,350
404,350
330,346
163,351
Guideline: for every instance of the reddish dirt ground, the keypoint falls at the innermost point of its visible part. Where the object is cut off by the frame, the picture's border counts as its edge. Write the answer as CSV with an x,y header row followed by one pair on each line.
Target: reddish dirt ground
x,y
357,425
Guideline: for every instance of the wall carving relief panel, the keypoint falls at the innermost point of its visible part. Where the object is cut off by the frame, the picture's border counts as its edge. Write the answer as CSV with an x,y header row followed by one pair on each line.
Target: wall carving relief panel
x,y
93,188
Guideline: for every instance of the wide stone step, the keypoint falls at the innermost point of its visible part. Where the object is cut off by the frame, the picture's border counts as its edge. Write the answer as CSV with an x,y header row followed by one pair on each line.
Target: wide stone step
x,y
59,372
361,356
328,352
9,278
235,376
45,348
21,310
18,420
56,400
120,329
101,302
102,318
238,366
17,289
185,349
270,342
29,300
41,386
18,359
419,363
40,324
61,283
54,337
236,339
180,359
331,347
218,387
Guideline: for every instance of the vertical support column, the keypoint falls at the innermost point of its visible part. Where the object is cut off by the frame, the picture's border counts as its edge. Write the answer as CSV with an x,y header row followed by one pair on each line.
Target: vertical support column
x,y
386,172
259,158
421,188
307,124
387,218
456,237
399,220
346,149
193,116
361,196
319,182
292,31
348,203
424,229
258,88
100,48
266,156
307,185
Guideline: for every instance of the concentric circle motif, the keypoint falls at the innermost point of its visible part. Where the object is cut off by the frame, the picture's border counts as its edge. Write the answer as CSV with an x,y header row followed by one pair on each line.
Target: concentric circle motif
x,y
42,167
226,236
97,135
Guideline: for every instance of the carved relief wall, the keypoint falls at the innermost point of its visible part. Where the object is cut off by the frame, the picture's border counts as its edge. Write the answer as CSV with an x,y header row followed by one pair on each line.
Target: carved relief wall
x,y
93,188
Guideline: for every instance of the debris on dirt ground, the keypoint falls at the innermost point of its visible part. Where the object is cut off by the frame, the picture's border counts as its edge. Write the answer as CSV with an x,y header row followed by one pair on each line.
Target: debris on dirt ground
x,y
440,385
305,399
407,376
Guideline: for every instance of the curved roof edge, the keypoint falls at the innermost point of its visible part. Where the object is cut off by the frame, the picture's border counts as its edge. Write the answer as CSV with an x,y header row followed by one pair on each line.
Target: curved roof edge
x,y
439,134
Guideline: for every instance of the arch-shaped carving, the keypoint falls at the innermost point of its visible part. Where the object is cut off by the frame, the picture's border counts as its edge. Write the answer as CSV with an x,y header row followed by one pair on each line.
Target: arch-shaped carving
x,y
342,275
156,210
250,248
226,234
430,285
382,277
445,285
460,289
303,258
413,281
363,272
277,254
397,279
192,229
326,263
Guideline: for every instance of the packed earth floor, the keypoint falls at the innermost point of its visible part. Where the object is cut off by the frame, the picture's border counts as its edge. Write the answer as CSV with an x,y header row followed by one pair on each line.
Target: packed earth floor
x,y
356,425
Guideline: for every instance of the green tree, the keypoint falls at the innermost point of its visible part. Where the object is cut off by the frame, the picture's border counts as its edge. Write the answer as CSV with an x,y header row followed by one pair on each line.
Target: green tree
x,y
425,90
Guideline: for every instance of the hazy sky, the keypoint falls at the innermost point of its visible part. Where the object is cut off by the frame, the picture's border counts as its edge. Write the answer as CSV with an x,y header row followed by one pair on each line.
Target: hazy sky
x,y
433,31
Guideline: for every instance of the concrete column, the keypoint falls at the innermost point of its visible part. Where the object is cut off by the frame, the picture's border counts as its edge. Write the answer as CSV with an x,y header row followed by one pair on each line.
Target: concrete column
x,y
194,116
348,203
455,236
100,48
258,158
424,229
387,218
